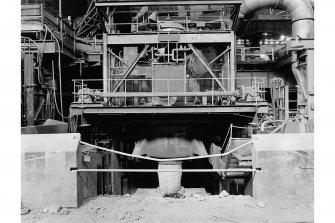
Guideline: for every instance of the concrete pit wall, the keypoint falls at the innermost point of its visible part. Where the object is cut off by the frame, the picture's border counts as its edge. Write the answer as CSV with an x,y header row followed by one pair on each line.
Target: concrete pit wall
x,y
46,178
287,169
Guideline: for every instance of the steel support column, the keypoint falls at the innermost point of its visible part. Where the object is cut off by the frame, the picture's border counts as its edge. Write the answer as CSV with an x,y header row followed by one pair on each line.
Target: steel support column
x,y
310,84
29,86
104,64
232,65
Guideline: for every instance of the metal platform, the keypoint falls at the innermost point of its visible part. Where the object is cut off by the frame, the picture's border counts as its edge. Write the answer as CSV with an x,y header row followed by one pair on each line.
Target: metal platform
x,y
260,107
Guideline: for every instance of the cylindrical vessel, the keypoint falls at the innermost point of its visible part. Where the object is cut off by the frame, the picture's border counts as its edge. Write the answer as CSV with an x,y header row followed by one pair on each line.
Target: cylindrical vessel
x,y
169,182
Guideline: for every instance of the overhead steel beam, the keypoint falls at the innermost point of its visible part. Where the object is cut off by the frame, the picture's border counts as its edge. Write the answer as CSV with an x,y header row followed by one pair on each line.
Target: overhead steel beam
x,y
154,38
260,107
165,3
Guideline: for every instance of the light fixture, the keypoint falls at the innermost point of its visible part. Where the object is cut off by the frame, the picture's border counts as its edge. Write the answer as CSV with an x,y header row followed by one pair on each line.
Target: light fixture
x,y
282,37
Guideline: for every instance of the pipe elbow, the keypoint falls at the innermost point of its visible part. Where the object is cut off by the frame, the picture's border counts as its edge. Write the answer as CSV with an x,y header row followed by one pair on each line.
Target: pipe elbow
x,y
300,10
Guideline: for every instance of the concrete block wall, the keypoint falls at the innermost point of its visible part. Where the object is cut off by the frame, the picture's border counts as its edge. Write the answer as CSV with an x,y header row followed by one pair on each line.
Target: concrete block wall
x,y
46,178
287,168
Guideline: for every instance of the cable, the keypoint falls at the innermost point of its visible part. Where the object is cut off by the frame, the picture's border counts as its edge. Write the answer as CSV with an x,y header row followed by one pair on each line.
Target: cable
x,y
41,59
166,160
54,90
224,142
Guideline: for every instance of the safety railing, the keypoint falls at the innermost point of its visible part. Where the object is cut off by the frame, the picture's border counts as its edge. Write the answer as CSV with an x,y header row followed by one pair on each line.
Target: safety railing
x,y
173,21
253,54
28,45
164,92
34,17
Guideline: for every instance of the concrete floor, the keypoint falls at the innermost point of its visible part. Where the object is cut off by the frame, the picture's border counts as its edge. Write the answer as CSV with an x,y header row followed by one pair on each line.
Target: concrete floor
x,y
148,206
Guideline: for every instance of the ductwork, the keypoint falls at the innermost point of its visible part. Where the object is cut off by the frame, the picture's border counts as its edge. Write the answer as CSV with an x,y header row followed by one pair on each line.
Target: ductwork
x,y
301,11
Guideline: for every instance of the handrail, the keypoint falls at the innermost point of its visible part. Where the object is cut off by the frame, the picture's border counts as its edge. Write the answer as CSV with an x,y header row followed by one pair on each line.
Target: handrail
x,y
246,170
166,79
30,41
193,90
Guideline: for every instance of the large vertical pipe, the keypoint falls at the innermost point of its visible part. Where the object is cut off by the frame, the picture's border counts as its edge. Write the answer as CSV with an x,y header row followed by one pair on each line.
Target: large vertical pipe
x,y
104,63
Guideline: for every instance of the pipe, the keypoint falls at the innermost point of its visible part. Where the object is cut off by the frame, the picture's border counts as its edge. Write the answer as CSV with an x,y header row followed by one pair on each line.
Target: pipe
x,y
166,94
301,11
166,170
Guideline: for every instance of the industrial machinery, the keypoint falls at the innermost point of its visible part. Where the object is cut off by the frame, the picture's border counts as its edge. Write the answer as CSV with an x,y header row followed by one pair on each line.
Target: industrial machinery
x,y
163,87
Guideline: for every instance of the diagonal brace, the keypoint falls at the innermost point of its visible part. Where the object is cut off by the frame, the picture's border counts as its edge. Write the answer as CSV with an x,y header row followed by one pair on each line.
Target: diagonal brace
x,y
220,55
131,67
206,66
111,52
